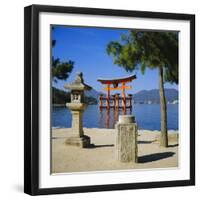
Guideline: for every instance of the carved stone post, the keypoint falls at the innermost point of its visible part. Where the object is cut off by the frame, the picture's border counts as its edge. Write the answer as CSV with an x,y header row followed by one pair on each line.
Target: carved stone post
x,y
126,139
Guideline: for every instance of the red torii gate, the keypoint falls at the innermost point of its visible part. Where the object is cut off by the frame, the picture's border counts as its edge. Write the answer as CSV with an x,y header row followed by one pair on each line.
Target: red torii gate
x,y
115,99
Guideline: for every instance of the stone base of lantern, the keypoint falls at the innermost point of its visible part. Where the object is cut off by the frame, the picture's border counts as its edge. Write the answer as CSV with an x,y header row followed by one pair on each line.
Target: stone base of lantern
x,y
83,141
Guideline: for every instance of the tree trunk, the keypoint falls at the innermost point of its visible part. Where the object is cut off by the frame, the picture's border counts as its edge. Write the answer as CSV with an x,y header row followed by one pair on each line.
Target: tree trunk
x,y
163,110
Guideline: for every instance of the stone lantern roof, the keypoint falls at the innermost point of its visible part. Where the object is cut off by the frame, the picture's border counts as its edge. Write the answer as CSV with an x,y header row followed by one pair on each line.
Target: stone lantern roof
x,y
78,83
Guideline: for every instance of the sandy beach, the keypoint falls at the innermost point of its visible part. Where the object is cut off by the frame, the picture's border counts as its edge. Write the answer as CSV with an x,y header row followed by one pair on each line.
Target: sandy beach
x,y
101,153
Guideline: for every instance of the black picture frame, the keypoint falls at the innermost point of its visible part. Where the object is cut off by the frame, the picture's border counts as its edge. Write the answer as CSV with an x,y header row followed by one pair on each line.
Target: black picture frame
x,y
31,99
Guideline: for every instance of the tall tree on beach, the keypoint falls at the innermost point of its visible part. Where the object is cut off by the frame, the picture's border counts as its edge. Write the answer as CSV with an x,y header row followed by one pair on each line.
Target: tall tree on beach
x,y
140,49
60,70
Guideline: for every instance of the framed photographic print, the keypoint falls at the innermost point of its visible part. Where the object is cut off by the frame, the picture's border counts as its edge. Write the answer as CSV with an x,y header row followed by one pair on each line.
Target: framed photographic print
x,y
109,100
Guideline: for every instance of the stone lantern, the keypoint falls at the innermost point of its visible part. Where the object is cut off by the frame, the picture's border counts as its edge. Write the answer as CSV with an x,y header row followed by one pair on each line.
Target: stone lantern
x,y
77,106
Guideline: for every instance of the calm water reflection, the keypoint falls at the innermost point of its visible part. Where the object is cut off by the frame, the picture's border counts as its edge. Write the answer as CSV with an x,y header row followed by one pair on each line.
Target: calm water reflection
x,y
147,116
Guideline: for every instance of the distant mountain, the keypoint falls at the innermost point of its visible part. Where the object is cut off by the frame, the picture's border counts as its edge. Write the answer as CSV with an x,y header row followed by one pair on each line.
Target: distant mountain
x,y
60,97
152,96
142,97
92,93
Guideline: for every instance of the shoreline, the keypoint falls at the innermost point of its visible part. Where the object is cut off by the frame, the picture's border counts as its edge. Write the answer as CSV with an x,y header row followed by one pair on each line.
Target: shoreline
x,y
134,104
58,105
143,130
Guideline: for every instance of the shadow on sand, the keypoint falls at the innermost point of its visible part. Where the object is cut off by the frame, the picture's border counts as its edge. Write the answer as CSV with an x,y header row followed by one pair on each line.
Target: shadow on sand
x,y
173,145
92,146
154,157
146,142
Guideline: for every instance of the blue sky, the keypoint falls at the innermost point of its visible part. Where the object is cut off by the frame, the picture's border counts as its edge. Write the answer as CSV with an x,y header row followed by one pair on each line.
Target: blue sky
x,y
86,46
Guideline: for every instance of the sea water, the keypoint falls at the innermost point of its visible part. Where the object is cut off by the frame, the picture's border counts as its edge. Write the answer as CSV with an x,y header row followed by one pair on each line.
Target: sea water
x,y
147,117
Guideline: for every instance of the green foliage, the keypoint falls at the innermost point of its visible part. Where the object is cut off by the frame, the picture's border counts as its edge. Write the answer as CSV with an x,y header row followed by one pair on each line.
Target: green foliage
x,y
53,43
61,70
141,49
